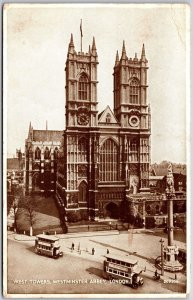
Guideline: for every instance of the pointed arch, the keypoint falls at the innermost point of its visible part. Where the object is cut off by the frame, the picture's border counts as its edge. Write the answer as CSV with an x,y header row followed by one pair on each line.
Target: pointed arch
x,y
83,192
46,153
56,153
36,180
83,87
109,160
134,91
108,118
37,153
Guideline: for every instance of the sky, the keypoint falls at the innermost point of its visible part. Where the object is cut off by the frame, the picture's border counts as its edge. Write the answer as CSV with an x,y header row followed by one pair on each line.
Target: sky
x,y
36,39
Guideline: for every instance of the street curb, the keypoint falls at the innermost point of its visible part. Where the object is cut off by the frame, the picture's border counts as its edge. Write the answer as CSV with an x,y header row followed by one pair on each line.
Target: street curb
x,y
69,236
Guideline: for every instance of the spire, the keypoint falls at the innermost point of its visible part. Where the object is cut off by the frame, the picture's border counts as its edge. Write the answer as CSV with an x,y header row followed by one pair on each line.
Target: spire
x,y
123,51
30,131
117,58
89,51
71,45
46,125
94,50
71,41
143,58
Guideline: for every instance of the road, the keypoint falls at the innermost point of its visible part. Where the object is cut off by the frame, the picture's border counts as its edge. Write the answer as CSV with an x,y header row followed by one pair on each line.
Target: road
x,y
67,275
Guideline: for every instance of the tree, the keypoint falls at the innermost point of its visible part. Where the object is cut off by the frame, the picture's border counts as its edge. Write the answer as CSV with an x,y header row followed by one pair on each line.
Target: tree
x,y
29,204
16,195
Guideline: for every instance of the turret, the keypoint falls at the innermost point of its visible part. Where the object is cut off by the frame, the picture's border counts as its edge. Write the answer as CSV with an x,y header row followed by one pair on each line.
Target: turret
x,y
71,45
94,50
117,59
30,132
123,56
143,57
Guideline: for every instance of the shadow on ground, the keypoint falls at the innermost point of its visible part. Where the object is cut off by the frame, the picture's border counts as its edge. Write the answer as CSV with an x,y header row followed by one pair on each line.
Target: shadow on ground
x,y
151,260
95,271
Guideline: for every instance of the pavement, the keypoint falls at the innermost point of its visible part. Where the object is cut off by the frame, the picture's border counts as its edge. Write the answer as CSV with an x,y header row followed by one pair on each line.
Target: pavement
x,y
138,244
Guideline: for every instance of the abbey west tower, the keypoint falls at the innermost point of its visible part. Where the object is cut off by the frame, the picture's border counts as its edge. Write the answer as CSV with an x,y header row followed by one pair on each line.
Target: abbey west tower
x,y
105,157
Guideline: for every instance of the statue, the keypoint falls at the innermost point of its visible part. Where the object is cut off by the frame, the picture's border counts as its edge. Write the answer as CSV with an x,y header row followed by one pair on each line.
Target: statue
x,y
170,180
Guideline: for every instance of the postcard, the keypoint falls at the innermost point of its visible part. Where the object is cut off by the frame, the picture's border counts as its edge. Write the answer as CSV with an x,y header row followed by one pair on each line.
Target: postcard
x,y
96,150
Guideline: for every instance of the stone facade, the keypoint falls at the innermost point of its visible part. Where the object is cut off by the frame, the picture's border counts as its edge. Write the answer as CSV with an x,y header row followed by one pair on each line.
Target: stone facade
x,y
41,155
104,158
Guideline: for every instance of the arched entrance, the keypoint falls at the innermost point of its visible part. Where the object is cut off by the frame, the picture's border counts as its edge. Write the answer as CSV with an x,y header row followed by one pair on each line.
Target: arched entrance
x,y
112,210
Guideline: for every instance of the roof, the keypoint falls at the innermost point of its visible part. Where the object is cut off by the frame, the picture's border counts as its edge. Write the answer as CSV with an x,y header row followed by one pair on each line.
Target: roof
x,y
102,116
122,258
47,135
47,237
162,169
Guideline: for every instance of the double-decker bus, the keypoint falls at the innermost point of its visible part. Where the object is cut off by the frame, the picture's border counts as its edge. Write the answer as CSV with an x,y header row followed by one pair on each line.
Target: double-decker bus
x,y
48,245
124,268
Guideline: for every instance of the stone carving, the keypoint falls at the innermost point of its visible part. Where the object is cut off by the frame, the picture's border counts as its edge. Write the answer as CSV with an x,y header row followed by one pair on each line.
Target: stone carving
x,y
82,170
134,182
170,180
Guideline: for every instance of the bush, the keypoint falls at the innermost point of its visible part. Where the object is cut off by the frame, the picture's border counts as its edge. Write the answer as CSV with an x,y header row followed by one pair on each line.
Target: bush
x,y
73,216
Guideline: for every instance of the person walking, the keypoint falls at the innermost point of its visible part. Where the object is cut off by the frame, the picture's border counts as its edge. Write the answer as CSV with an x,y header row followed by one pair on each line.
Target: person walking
x,y
93,251
72,248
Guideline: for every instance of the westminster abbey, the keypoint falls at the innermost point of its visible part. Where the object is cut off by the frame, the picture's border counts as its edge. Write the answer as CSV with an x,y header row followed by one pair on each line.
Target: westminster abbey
x,y
104,157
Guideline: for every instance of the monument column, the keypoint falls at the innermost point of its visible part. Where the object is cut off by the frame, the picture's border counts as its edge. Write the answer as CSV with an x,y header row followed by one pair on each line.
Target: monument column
x,y
171,251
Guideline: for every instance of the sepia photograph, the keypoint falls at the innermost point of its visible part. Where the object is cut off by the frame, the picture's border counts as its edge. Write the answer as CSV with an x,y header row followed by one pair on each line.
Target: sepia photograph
x,y
96,104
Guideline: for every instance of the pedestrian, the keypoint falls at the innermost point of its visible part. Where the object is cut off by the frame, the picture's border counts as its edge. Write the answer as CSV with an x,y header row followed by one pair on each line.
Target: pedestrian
x,y
175,276
88,227
93,251
145,269
107,251
72,246
156,273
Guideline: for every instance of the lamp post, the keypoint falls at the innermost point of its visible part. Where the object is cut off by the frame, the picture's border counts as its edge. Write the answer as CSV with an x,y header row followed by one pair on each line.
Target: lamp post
x,y
162,256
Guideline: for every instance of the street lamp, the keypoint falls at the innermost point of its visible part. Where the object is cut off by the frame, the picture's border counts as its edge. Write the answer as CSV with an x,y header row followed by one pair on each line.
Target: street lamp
x,y
162,256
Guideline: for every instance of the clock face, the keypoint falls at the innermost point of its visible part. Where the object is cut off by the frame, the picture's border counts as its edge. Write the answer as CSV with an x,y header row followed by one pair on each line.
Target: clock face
x,y
134,121
83,118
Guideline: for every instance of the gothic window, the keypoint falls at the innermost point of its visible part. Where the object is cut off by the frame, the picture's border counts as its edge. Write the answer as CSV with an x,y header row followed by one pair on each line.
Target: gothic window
x,y
108,118
134,91
56,153
83,87
109,161
83,192
82,150
37,153
134,146
46,153
133,151
36,181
